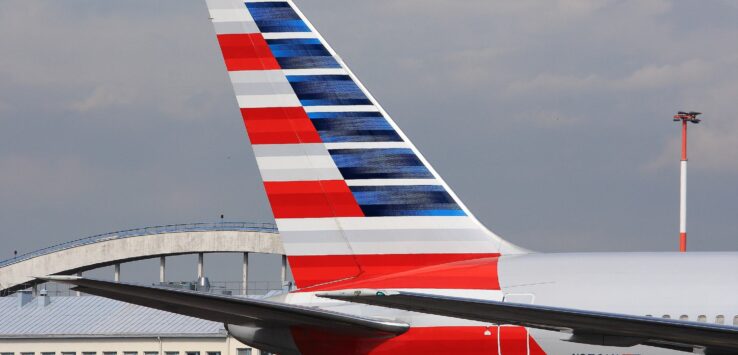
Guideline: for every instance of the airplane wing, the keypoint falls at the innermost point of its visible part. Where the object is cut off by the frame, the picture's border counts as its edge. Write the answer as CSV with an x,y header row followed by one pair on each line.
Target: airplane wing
x,y
232,310
586,326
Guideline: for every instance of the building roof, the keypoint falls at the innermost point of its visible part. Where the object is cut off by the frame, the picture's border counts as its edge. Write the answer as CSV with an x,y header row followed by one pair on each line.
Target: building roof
x,y
90,316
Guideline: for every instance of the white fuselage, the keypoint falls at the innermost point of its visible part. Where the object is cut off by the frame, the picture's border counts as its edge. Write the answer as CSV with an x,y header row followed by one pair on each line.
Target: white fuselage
x,y
692,286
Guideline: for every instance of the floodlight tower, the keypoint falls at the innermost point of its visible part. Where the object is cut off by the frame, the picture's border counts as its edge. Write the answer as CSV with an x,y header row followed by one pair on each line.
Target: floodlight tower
x,y
684,117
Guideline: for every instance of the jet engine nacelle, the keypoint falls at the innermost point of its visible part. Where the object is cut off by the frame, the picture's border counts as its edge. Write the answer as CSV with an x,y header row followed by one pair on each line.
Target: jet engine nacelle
x,y
274,340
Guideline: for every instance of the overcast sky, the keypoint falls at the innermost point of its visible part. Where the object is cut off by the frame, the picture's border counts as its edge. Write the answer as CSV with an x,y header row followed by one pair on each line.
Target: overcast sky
x,y
550,119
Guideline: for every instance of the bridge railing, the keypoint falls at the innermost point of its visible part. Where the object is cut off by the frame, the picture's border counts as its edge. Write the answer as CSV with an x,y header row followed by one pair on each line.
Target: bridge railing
x,y
255,288
218,287
138,232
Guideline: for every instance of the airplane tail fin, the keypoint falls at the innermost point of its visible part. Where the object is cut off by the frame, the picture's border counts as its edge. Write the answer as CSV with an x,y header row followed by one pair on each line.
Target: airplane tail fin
x,y
351,195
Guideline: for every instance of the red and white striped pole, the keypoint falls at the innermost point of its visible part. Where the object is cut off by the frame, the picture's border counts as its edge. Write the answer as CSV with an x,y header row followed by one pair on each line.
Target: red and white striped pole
x,y
683,192
684,117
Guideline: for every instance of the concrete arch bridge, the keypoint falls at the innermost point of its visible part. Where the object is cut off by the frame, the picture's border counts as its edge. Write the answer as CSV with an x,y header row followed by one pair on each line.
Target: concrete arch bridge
x,y
143,243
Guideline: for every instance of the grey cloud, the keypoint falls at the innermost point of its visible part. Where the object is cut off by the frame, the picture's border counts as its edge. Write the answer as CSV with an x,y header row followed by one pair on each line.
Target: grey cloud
x,y
27,178
688,73
103,97
109,59
685,73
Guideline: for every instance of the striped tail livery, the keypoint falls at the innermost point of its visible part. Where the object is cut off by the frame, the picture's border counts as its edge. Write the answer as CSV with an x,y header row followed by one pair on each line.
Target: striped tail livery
x,y
352,197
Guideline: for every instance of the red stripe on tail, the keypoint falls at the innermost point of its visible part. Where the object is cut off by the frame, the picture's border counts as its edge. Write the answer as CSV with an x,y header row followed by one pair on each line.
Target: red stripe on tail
x,y
312,199
246,52
279,125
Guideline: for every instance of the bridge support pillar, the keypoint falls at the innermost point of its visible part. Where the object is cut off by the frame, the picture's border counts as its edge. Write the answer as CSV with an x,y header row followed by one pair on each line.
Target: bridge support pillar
x,y
162,269
284,270
200,265
116,272
245,275
79,293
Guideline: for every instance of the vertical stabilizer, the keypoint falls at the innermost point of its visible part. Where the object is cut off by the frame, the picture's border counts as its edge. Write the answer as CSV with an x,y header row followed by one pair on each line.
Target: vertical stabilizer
x,y
351,195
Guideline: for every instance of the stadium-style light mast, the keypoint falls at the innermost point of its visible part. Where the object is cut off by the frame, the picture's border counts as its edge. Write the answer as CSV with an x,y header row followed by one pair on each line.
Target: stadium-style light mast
x,y
684,117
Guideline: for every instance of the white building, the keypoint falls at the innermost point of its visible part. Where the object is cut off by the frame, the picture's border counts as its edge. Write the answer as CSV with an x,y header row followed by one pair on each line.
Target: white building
x,y
89,325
